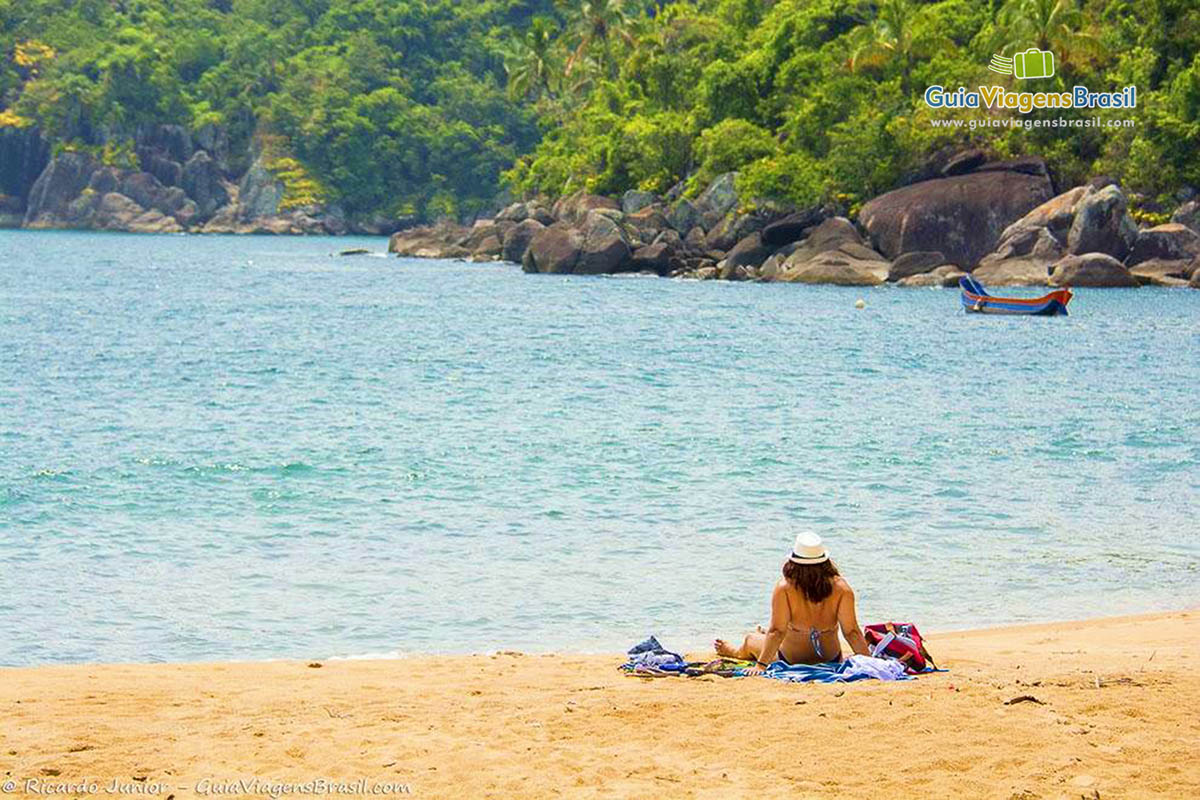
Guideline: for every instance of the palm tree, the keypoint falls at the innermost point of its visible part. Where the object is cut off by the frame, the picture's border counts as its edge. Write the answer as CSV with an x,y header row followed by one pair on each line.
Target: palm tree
x,y
531,63
1054,25
595,24
890,37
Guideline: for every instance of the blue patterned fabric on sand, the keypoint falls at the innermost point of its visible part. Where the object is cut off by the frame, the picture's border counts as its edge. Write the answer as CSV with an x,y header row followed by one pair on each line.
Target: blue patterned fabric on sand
x,y
855,668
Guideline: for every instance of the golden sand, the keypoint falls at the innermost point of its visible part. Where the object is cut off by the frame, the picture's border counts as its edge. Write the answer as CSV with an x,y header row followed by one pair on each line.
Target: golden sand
x,y
1116,714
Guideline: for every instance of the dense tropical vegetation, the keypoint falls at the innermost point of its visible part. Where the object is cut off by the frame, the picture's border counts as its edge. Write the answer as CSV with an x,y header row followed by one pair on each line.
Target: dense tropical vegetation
x,y
810,99
431,107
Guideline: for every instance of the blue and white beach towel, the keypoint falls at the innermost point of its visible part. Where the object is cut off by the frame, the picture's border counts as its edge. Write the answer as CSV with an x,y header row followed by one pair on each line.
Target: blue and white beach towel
x,y
855,668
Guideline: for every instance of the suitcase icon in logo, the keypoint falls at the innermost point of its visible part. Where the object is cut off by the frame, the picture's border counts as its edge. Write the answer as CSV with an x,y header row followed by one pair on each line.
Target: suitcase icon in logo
x,y
1034,63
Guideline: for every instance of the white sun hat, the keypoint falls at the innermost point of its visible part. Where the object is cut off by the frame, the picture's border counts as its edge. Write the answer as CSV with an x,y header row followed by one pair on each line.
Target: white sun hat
x,y
809,549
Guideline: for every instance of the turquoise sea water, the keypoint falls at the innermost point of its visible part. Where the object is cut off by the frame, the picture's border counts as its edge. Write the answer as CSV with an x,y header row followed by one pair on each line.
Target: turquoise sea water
x,y
245,447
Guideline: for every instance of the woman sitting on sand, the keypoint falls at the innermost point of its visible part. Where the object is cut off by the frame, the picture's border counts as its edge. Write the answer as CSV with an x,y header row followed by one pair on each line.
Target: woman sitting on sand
x,y
808,605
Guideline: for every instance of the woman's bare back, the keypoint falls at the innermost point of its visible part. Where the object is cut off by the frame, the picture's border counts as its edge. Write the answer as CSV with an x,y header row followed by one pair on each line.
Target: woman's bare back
x,y
812,630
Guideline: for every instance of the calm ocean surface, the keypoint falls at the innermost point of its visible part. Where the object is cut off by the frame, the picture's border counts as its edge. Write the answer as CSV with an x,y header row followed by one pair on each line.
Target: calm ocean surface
x,y
245,447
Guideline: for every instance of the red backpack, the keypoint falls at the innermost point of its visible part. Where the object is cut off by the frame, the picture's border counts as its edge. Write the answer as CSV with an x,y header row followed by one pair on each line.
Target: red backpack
x,y
901,641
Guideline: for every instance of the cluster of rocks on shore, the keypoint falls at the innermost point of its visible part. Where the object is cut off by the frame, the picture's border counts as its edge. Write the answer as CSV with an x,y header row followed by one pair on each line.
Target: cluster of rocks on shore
x,y
1000,220
184,181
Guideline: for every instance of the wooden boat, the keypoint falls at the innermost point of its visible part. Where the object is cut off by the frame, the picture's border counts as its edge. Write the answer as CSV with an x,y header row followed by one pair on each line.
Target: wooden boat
x,y
976,300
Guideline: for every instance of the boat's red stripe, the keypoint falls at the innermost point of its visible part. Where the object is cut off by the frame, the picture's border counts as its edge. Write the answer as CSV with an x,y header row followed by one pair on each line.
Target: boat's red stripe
x,y
1062,296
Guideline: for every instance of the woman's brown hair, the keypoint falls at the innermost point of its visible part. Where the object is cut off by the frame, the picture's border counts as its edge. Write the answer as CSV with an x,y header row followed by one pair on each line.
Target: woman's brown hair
x,y
814,581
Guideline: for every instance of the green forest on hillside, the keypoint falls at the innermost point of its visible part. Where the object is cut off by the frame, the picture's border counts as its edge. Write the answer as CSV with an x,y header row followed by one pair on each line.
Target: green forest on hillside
x,y
432,107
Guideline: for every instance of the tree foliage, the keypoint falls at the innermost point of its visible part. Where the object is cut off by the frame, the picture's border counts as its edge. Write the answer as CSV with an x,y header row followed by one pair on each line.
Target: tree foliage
x,y
823,99
390,107
427,107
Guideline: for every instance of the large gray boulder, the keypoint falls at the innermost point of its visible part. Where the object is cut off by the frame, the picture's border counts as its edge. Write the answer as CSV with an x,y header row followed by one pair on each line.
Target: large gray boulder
x,y
1156,272
719,198
1188,214
517,238
652,258
605,248
793,227
682,215
838,270
731,229
961,216
575,207
61,182
204,183
117,212
1173,241
148,192
553,250
24,153
259,192
167,171
1054,216
749,252
945,277
648,222
834,253
1102,224
1093,270
1030,246
915,263
635,200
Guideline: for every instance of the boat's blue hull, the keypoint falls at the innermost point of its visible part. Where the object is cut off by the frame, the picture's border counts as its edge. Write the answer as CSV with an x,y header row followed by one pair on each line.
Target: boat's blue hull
x,y
976,300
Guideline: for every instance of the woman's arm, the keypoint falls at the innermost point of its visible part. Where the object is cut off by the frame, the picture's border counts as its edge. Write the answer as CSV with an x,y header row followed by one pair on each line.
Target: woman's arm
x,y
776,630
848,620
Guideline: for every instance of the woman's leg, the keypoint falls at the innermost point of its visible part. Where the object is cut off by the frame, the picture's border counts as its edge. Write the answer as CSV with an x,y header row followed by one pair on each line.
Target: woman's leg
x,y
752,645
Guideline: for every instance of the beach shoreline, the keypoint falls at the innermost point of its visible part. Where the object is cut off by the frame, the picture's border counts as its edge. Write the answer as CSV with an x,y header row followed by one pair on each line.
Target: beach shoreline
x,y
1109,716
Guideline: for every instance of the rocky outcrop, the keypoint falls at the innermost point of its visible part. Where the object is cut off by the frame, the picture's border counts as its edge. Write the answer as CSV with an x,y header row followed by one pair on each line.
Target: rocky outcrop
x,y
437,241
1102,224
915,263
519,212
1098,270
605,248
683,215
574,207
517,238
1173,241
962,215
118,212
750,251
945,276
834,253
203,182
1188,215
554,250
51,198
712,237
793,227
1090,220
636,200
718,199
259,192
180,183
24,153
654,258
1156,272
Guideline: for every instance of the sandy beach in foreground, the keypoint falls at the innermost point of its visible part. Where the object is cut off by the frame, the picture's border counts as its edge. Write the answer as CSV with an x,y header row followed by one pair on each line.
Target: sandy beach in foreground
x,y
1114,716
